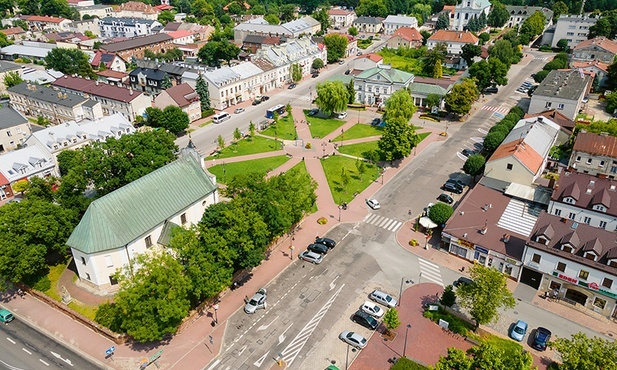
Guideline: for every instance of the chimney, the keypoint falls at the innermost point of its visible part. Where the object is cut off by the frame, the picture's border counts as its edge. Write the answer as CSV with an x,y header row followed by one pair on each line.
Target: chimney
x,y
540,119
130,91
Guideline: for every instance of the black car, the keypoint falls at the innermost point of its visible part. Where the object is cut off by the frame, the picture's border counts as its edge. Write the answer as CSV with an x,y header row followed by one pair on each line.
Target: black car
x,y
456,182
315,75
467,152
376,121
365,320
463,281
292,86
491,90
265,98
448,186
313,112
541,338
318,248
445,198
348,71
326,241
256,102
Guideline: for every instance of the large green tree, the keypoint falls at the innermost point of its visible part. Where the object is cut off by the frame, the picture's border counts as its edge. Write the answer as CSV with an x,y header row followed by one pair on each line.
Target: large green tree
x,y
504,51
4,41
432,57
443,22
582,353
498,16
469,52
70,61
317,64
336,45
12,78
559,8
474,165
215,51
398,138
534,25
486,356
201,87
332,96
296,72
170,118
439,213
372,8
400,105
487,295
461,97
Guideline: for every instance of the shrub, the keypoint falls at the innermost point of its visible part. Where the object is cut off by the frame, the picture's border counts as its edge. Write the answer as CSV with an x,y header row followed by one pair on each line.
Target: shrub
x,y
456,324
440,213
518,111
308,146
322,221
430,117
500,127
207,112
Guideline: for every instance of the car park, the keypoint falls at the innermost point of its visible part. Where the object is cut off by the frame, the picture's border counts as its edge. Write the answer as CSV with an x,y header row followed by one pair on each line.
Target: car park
x,y
292,86
519,330
382,298
376,121
6,316
326,241
373,203
238,110
318,248
463,281
448,186
541,338
353,339
372,309
257,302
311,257
365,320
445,198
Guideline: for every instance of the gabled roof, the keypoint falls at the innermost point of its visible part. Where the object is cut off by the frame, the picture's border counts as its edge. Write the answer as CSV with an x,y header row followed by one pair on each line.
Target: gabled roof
x,y
596,144
111,92
454,36
9,117
400,19
180,34
392,75
590,64
555,116
601,42
44,19
13,31
150,73
182,94
368,20
595,191
525,154
372,56
425,89
112,74
22,163
408,33
339,11
120,217
137,42
46,94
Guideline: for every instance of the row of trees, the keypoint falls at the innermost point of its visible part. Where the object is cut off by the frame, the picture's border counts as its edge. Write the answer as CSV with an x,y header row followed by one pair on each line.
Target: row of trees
x,y
231,236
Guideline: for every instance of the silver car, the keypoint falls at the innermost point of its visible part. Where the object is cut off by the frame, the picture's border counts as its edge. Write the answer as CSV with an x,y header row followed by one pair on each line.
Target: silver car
x,y
312,257
257,302
353,339
383,298
372,309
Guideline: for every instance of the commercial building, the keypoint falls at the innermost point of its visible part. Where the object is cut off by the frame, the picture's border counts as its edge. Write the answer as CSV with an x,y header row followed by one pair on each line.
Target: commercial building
x,y
375,85
14,128
574,29
112,27
563,90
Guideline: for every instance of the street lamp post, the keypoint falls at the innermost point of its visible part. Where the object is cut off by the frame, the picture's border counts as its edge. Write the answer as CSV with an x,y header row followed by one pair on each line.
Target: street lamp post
x,y
347,357
406,331
339,212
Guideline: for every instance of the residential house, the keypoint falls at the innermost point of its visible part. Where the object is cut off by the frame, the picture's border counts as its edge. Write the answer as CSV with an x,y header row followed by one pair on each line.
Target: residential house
x,y
138,218
352,46
368,24
520,13
341,18
113,99
585,198
46,23
200,33
408,37
574,261
255,80
135,47
305,26
566,124
598,49
147,80
224,86
36,51
254,42
136,9
466,10
394,22
522,156
366,61
40,101
563,90
6,67
490,228
594,68
454,40
74,135
575,29
90,25
595,154
24,164
182,37
6,192
112,27
80,3
183,96
14,33
97,10
374,86
110,61
14,128
431,22
112,77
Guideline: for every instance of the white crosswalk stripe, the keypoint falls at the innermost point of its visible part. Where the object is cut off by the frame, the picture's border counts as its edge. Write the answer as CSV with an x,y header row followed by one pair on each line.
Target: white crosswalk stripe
x,y
430,271
495,109
383,222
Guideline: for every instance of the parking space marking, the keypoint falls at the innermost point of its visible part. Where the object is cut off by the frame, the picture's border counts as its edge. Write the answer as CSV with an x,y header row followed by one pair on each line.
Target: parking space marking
x,y
430,271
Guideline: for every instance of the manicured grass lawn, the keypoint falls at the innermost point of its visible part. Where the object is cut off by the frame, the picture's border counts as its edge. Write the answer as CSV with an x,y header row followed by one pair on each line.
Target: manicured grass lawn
x,y
284,129
54,276
320,127
506,344
359,149
403,63
364,43
333,169
225,172
359,131
247,146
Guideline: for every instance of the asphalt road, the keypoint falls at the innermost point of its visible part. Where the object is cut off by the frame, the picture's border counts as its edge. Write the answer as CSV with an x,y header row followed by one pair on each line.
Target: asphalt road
x,y
23,347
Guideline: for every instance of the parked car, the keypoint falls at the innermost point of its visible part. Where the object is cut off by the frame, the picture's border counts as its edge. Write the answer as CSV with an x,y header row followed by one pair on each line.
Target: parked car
x,y
456,182
585,100
348,71
238,110
359,53
448,186
491,90
318,248
292,86
541,338
365,320
383,298
311,257
341,62
326,241
353,339
467,152
340,115
257,302
265,98
463,281
373,203
376,121
315,75
6,316
256,102
445,198
372,309
519,330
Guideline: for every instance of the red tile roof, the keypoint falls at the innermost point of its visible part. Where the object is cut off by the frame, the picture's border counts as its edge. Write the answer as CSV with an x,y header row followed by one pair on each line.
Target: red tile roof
x,y
555,116
180,33
528,157
594,191
112,74
339,11
48,19
603,42
372,56
454,36
408,33
596,144
163,7
182,94
591,63
12,31
104,90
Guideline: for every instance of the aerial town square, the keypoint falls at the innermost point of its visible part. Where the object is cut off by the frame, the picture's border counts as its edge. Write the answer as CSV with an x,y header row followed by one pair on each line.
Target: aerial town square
x,y
317,185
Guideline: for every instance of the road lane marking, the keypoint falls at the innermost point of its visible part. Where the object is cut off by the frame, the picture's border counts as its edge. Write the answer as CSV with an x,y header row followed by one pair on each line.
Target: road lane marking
x,y
264,327
332,284
282,336
430,271
45,363
10,340
261,360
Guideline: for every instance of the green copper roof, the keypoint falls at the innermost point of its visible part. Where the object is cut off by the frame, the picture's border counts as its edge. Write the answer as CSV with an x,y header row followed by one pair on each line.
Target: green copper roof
x,y
420,88
391,75
126,214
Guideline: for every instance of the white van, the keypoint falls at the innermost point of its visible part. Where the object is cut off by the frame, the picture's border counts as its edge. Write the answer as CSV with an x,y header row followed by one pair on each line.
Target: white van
x,y
221,117
341,115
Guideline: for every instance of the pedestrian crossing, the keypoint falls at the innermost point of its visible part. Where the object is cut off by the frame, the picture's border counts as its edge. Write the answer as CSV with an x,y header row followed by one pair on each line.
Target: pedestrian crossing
x,y
383,222
495,109
541,58
429,271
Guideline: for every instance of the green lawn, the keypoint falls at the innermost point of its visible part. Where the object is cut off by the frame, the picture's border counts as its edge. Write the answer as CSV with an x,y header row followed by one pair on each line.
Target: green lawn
x,y
247,146
320,127
359,131
402,62
225,172
407,364
505,344
333,169
359,149
284,129
364,43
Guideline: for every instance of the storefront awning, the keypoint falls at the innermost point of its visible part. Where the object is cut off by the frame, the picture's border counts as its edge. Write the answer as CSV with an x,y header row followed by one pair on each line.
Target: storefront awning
x,y
427,223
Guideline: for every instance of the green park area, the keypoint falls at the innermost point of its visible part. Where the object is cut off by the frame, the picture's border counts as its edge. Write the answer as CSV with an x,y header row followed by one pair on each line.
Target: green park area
x,y
226,171
284,129
320,127
362,150
359,131
250,145
347,176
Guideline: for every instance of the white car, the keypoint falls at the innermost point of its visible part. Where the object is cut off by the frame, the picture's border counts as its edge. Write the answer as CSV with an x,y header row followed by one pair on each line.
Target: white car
x,y
353,339
312,257
238,110
373,203
383,298
372,309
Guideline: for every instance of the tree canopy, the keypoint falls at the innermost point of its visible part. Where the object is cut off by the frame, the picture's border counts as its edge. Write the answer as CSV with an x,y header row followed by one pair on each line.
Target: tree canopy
x,y
486,356
474,165
214,51
400,104
332,96
70,61
470,51
581,352
461,97
439,213
170,118
336,45
498,16
398,138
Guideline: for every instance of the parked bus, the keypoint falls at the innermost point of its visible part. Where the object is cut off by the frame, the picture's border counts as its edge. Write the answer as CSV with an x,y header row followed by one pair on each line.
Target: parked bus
x,y
221,117
280,109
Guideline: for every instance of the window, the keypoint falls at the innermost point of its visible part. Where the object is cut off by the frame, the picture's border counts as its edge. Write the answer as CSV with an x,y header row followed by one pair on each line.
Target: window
x,y
557,212
83,260
599,302
88,276
588,161
601,164
561,266
183,218
8,133
536,258
603,224
109,261
548,104
607,283
560,106
148,241
570,33
578,158
583,274
571,216
112,280
587,220
509,166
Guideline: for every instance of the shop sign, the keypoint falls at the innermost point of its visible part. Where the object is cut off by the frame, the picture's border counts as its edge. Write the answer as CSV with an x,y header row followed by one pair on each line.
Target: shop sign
x,y
511,261
480,249
568,278
594,285
465,243
607,293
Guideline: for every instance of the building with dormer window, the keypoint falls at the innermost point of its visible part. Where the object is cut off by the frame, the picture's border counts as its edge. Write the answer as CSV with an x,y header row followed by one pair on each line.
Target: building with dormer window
x,y
375,85
595,154
23,164
575,261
